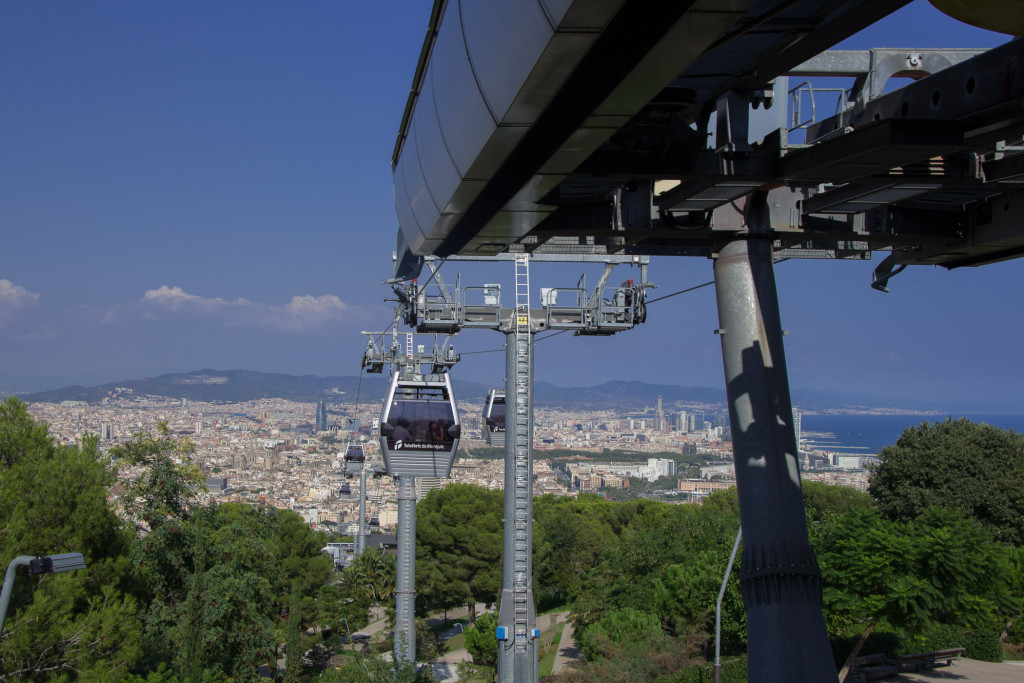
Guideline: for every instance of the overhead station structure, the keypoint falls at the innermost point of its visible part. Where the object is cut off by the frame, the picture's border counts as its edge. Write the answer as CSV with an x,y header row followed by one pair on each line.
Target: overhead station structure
x,y
630,128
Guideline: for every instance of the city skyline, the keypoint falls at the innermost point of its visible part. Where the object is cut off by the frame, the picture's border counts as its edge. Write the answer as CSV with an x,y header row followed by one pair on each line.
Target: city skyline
x,y
209,187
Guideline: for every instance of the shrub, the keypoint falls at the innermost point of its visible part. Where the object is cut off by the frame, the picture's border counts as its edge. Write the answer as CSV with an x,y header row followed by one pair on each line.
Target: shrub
x,y
661,662
733,671
622,629
480,641
981,645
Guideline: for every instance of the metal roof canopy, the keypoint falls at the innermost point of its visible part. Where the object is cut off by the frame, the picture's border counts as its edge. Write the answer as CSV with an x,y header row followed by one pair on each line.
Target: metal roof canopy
x,y
580,172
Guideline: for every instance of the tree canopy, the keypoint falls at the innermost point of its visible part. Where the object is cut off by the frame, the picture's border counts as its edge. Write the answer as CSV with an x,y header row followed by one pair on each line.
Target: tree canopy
x,y
53,499
942,567
179,590
458,547
173,590
957,464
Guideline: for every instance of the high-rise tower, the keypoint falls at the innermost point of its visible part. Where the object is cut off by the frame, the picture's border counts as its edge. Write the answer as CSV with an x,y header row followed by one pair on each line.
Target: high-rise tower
x,y
321,417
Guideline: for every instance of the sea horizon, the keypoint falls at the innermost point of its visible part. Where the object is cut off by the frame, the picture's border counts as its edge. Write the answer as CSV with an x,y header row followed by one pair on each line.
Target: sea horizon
x,y
866,434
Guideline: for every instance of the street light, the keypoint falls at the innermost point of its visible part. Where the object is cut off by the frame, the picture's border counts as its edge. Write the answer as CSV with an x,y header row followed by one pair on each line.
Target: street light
x,y
51,564
362,657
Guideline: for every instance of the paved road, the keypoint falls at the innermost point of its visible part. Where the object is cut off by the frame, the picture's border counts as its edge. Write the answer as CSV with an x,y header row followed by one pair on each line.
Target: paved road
x,y
968,671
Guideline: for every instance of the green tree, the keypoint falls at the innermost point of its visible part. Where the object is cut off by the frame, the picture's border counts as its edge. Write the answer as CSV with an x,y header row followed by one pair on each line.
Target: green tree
x,y
620,630
373,574
208,570
211,574
570,537
942,567
684,596
821,499
340,608
1013,564
665,547
168,480
429,646
376,669
957,464
293,652
298,556
458,546
53,499
480,640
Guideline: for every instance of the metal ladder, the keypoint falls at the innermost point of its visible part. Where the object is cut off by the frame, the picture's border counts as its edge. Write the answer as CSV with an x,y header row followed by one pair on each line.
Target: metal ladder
x,y
521,555
361,538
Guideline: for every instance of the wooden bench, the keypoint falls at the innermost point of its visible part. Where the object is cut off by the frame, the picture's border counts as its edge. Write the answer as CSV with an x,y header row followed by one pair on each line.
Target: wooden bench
x,y
871,667
923,661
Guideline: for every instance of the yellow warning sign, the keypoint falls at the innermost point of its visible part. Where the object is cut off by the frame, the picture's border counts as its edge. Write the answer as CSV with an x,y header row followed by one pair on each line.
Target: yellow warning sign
x,y
522,320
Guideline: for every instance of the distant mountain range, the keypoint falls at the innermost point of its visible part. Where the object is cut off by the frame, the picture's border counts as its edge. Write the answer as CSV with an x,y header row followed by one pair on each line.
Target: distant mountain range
x,y
234,386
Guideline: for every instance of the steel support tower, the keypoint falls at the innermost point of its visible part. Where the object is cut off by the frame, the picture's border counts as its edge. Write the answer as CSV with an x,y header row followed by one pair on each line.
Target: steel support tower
x,y
517,652
779,576
605,311
405,592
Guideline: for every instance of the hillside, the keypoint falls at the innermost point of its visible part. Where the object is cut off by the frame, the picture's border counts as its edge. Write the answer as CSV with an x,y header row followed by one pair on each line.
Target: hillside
x,y
232,386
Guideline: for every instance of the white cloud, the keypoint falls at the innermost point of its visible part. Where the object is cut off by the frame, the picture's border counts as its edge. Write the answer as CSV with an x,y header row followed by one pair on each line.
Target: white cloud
x,y
303,312
14,298
111,314
175,298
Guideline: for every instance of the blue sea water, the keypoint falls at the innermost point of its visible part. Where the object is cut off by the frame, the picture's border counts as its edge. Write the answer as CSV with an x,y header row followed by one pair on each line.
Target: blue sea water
x,y
868,434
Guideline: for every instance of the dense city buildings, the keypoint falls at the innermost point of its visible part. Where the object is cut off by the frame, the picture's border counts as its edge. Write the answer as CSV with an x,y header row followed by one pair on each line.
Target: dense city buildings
x,y
290,454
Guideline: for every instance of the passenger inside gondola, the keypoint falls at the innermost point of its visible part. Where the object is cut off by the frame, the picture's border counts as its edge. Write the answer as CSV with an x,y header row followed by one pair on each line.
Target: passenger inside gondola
x,y
497,419
402,431
435,430
421,423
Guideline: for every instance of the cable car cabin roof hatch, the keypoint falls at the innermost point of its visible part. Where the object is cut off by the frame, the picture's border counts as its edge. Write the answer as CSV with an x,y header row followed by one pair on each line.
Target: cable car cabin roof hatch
x,y
419,427
494,418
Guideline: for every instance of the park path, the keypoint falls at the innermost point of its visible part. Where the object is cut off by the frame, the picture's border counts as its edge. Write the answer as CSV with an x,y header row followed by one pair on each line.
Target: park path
x,y
567,650
371,629
445,667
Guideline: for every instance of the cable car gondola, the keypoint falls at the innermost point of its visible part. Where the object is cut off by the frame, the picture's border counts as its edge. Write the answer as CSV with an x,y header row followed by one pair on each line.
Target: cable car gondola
x,y
345,490
375,521
494,418
419,427
354,459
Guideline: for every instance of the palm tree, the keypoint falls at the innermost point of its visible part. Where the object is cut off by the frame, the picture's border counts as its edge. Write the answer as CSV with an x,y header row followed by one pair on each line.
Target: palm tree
x,y
372,573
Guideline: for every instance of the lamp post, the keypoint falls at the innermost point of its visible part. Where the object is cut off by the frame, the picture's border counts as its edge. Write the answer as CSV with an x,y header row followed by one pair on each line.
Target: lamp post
x,y
51,564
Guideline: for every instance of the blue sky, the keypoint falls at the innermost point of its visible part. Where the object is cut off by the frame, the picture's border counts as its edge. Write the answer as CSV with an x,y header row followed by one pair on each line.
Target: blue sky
x,y
207,184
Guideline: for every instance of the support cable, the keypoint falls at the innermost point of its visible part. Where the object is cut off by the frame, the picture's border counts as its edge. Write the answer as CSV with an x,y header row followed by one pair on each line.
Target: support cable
x,y
359,388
